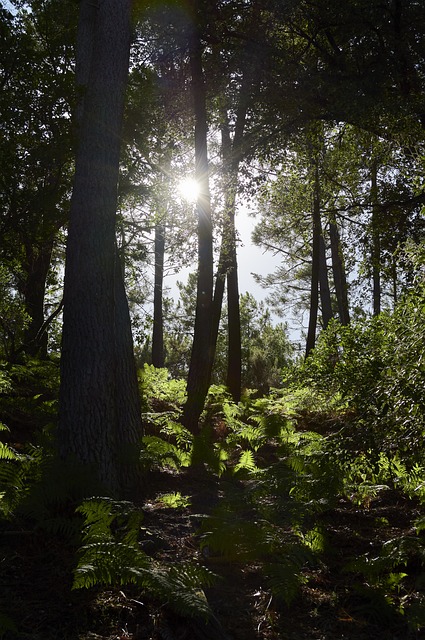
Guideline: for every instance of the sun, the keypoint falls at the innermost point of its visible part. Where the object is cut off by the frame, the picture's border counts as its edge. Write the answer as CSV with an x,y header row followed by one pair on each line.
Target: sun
x,y
188,189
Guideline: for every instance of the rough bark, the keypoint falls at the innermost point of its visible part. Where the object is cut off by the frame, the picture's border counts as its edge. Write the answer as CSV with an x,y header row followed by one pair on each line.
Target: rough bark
x,y
376,241
314,285
158,320
227,270
127,399
37,264
325,292
97,362
338,271
234,366
199,368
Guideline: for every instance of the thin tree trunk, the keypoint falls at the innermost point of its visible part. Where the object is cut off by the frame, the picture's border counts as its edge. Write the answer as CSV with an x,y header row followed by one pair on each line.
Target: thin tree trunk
x,y
325,293
201,356
376,240
314,286
129,428
158,355
338,270
234,366
97,367
36,267
227,270
158,320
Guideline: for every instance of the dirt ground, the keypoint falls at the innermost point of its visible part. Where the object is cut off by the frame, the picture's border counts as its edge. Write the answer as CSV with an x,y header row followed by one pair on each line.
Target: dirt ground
x,y
36,578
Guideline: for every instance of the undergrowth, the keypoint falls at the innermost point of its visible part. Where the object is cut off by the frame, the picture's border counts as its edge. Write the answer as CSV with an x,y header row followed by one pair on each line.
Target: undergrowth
x,y
344,434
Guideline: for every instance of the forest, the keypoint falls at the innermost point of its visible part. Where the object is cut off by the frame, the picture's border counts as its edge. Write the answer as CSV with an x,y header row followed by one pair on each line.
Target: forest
x,y
181,459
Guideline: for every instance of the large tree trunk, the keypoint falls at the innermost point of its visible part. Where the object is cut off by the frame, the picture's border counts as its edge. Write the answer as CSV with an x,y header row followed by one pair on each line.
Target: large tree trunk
x,y
97,367
338,270
201,356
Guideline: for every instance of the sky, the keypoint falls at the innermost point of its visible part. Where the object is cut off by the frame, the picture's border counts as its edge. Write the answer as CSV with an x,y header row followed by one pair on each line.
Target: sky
x,y
251,259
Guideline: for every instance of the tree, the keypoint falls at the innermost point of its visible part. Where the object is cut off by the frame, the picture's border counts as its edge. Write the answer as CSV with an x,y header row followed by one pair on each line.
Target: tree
x,y
36,152
238,66
99,407
199,370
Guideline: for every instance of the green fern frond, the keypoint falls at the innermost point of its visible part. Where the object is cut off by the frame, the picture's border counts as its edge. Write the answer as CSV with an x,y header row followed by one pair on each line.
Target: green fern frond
x,y
15,474
420,524
211,453
176,431
246,462
112,556
174,500
156,452
181,587
157,385
273,424
384,567
107,519
111,563
249,434
5,381
7,453
285,580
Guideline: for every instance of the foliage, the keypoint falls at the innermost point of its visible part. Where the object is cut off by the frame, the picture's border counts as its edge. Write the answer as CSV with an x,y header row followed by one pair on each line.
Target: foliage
x,y
13,317
375,369
157,452
174,500
387,574
266,349
156,385
112,555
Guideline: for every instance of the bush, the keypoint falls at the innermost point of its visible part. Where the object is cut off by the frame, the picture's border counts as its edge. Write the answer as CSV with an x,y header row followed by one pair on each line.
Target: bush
x,y
377,369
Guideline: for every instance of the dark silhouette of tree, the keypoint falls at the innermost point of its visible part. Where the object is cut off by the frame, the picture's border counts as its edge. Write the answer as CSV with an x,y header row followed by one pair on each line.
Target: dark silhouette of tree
x,y
99,409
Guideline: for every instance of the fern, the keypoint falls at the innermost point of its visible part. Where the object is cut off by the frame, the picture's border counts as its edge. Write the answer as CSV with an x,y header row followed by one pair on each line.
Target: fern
x,y
111,563
285,577
174,500
246,463
111,556
14,470
6,452
204,451
156,452
246,435
384,581
156,386
52,490
178,433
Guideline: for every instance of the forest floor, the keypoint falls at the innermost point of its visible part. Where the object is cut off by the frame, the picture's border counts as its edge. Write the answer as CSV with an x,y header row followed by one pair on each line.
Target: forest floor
x,y
36,576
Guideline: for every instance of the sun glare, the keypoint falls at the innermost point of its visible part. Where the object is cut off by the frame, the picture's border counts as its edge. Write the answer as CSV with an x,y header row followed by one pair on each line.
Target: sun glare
x,y
188,189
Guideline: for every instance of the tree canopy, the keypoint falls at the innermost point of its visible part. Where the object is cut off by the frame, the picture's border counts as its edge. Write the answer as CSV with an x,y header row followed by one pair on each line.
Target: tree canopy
x,y
154,435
